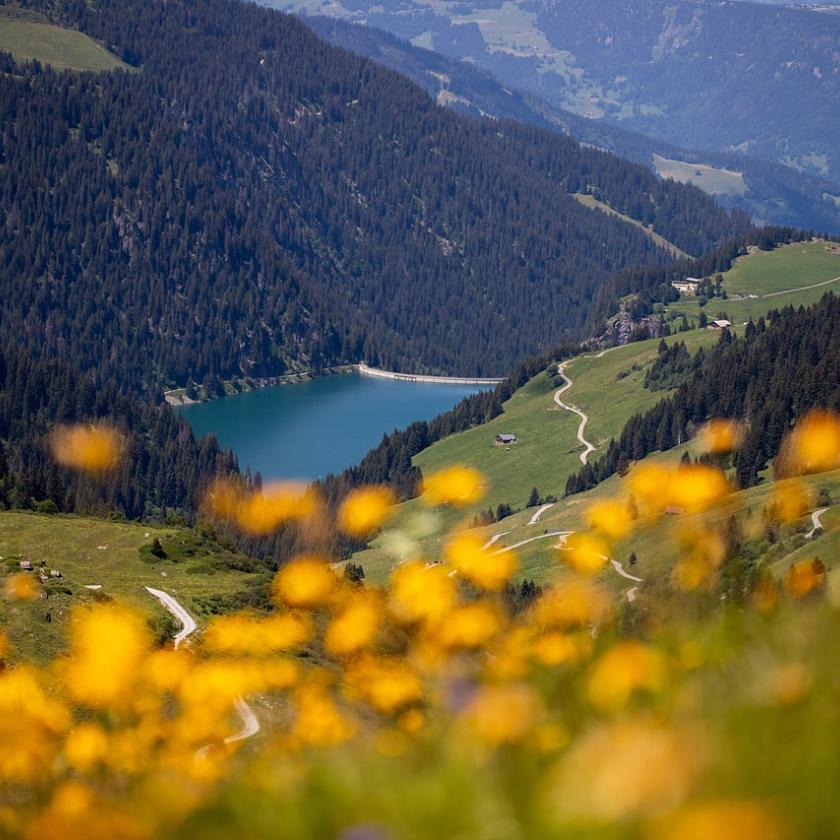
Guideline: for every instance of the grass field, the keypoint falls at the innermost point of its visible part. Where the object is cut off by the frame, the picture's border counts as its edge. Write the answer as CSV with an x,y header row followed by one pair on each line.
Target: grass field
x,y
609,387
593,203
709,178
798,275
64,49
99,552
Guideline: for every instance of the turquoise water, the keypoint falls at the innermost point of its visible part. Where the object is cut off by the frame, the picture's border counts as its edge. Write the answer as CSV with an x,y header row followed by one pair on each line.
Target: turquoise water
x,y
311,429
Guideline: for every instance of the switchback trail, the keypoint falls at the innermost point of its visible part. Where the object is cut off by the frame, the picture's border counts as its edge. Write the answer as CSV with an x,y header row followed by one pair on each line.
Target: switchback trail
x,y
584,418
816,520
250,722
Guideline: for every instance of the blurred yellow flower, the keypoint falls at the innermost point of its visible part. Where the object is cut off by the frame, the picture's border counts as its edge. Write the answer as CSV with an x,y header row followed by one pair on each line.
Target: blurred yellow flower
x,y
91,448
611,518
625,769
454,485
805,577
305,582
85,747
22,587
570,603
387,684
421,593
722,435
365,509
470,626
791,499
354,628
721,820
318,721
702,553
108,645
501,714
649,485
245,634
587,553
556,648
695,486
814,444
263,511
489,570
623,669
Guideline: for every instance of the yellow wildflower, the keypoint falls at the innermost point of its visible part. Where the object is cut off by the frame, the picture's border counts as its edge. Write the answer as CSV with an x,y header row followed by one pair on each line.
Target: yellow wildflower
x,y
625,769
85,747
489,570
353,628
611,518
470,626
814,444
722,435
22,587
805,577
622,670
587,553
722,820
365,509
305,582
501,714
454,485
108,647
695,486
93,448
421,593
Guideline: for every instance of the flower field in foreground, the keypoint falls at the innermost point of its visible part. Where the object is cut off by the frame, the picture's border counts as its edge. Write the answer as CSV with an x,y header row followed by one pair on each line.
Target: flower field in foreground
x,y
451,703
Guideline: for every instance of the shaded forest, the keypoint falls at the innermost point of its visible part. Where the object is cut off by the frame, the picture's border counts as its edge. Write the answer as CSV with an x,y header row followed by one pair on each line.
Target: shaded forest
x,y
253,201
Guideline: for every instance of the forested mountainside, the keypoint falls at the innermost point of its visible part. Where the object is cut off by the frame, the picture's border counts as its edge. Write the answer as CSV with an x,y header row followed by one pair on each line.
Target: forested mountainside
x,y
164,470
772,375
253,200
770,192
711,75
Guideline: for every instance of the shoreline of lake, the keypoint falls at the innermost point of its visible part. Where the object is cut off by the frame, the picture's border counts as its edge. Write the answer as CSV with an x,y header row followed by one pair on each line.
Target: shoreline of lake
x,y
323,426
178,397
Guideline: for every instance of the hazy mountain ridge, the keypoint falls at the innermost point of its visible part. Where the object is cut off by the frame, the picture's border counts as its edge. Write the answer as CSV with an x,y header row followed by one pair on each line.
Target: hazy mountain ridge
x,y
775,194
724,76
255,200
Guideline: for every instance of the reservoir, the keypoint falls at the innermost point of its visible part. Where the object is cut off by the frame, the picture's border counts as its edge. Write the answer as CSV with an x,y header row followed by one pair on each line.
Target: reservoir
x,y
318,427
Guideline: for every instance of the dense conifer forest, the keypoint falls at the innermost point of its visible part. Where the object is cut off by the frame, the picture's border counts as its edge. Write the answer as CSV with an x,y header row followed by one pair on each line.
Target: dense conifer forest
x,y
163,473
775,373
252,200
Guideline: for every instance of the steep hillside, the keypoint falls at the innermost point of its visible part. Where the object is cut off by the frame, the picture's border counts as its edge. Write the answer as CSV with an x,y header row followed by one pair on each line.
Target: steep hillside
x,y
255,200
711,75
611,386
770,192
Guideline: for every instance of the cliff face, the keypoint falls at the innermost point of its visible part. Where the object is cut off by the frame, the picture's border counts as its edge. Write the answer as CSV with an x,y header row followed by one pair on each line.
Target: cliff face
x,y
622,328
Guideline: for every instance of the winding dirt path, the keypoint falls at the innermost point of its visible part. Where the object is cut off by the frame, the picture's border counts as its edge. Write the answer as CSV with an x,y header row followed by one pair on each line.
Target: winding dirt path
x,y
250,722
584,418
816,521
800,289
536,517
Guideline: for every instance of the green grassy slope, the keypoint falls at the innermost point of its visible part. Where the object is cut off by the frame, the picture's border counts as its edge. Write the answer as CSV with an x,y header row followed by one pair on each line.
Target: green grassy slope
x,y
711,179
593,203
794,275
65,49
609,387
115,556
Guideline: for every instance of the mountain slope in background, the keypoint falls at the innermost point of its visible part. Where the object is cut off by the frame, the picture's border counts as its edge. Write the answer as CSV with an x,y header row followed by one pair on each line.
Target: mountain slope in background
x,y
256,200
724,76
770,192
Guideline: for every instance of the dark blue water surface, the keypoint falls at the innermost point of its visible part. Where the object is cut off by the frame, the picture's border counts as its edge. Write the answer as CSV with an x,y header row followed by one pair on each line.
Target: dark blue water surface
x,y
318,427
